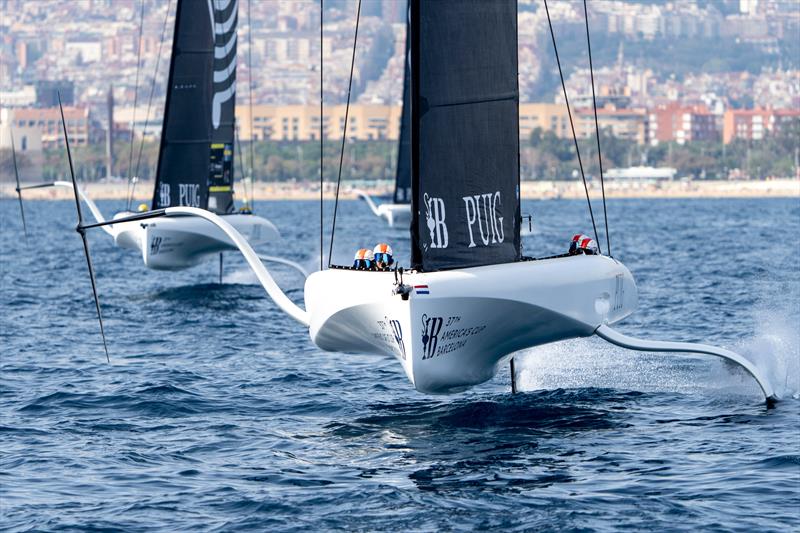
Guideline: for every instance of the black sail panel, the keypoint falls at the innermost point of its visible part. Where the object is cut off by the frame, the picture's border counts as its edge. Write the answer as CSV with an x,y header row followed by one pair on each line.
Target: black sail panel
x,y
402,183
195,164
465,134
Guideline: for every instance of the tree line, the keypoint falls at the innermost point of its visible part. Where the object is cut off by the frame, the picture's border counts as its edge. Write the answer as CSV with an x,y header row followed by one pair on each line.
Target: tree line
x,y
543,156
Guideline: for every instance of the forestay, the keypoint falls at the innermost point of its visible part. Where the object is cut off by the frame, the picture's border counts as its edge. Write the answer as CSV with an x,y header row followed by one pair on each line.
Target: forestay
x,y
464,134
195,165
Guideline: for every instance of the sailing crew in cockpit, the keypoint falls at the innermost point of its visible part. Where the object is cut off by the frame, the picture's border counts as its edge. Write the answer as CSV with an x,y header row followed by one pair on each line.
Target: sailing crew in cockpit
x,y
383,256
364,260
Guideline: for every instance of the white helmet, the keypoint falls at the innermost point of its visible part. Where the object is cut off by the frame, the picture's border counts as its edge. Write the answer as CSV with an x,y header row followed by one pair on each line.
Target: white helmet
x,y
383,253
584,244
363,258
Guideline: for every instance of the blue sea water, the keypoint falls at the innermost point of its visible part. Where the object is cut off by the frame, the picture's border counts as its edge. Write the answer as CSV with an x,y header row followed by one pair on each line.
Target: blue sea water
x,y
217,412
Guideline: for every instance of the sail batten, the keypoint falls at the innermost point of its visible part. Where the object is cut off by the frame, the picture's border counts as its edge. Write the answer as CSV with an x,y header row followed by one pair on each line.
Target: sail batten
x,y
466,101
464,133
195,166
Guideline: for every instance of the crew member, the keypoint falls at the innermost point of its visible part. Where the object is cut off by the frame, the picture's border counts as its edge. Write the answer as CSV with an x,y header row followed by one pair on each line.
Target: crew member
x,y
383,256
364,259
583,244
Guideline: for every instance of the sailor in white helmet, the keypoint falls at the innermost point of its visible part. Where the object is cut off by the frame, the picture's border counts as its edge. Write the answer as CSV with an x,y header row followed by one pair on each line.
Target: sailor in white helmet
x,y
383,256
583,244
364,260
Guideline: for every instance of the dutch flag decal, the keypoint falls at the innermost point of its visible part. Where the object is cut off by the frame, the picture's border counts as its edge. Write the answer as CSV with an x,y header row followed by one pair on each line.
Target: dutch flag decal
x,y
421,289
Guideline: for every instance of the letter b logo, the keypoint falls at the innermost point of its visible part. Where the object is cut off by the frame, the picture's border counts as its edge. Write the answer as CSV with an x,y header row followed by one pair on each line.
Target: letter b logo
x,y
435,216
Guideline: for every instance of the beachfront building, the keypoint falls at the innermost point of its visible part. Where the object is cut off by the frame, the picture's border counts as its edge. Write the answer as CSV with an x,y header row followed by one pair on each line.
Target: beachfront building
x,y
629,124
26,138
43,125
373,121
546,117
366,122
143,125
634,175
678,123
754,124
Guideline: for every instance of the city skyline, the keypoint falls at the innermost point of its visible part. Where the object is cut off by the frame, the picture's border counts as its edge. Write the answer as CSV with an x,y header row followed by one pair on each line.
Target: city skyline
x,y
663,71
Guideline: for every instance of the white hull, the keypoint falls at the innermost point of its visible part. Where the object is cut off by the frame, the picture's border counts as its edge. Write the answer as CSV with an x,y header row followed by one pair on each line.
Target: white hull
x,y
395,214
176,243
179,242
456,336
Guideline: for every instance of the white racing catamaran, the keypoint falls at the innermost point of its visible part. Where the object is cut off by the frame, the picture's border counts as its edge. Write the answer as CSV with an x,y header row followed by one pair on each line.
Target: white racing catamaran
x,y
196,154
470,298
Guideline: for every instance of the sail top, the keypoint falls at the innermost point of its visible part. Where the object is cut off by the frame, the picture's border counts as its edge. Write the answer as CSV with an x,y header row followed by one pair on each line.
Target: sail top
x,y
195,164
464,134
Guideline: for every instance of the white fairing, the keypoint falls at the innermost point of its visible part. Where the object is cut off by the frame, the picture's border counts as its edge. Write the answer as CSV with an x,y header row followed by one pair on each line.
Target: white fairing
x,y
98,216
395,214
173,243
455,336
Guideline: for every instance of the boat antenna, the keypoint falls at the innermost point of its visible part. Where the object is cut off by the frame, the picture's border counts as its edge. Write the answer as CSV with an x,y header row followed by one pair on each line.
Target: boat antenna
x,y
571,122
344,134
321,132
150,99
16,176
250,97
597,129
81,230
131,177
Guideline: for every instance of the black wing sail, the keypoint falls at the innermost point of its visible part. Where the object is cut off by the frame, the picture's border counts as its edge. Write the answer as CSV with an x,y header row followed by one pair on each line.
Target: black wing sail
x,y
402,183
195,164
464,133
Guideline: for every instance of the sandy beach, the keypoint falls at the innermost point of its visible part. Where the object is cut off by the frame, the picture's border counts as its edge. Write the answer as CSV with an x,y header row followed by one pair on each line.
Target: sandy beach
x,y
530,190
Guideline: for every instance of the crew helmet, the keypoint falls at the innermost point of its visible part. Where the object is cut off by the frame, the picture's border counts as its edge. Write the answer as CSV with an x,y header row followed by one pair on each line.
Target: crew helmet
x,y
583,244
363,258
383,254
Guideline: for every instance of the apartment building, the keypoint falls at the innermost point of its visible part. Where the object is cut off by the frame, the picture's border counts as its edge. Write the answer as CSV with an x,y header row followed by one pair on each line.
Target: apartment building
x,y
366,122
48,123
25,138
547,117
755,124
629,124
681,124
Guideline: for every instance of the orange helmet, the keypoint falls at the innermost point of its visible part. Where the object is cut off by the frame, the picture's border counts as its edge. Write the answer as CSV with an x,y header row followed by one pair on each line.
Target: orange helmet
x,y
383,254
364,253
363,258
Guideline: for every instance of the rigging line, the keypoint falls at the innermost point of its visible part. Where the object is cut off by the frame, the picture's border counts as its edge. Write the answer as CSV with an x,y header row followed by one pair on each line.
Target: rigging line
x,y
321,131
597,129
571,123
152,92
344,134
241,161
135,102
250,91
